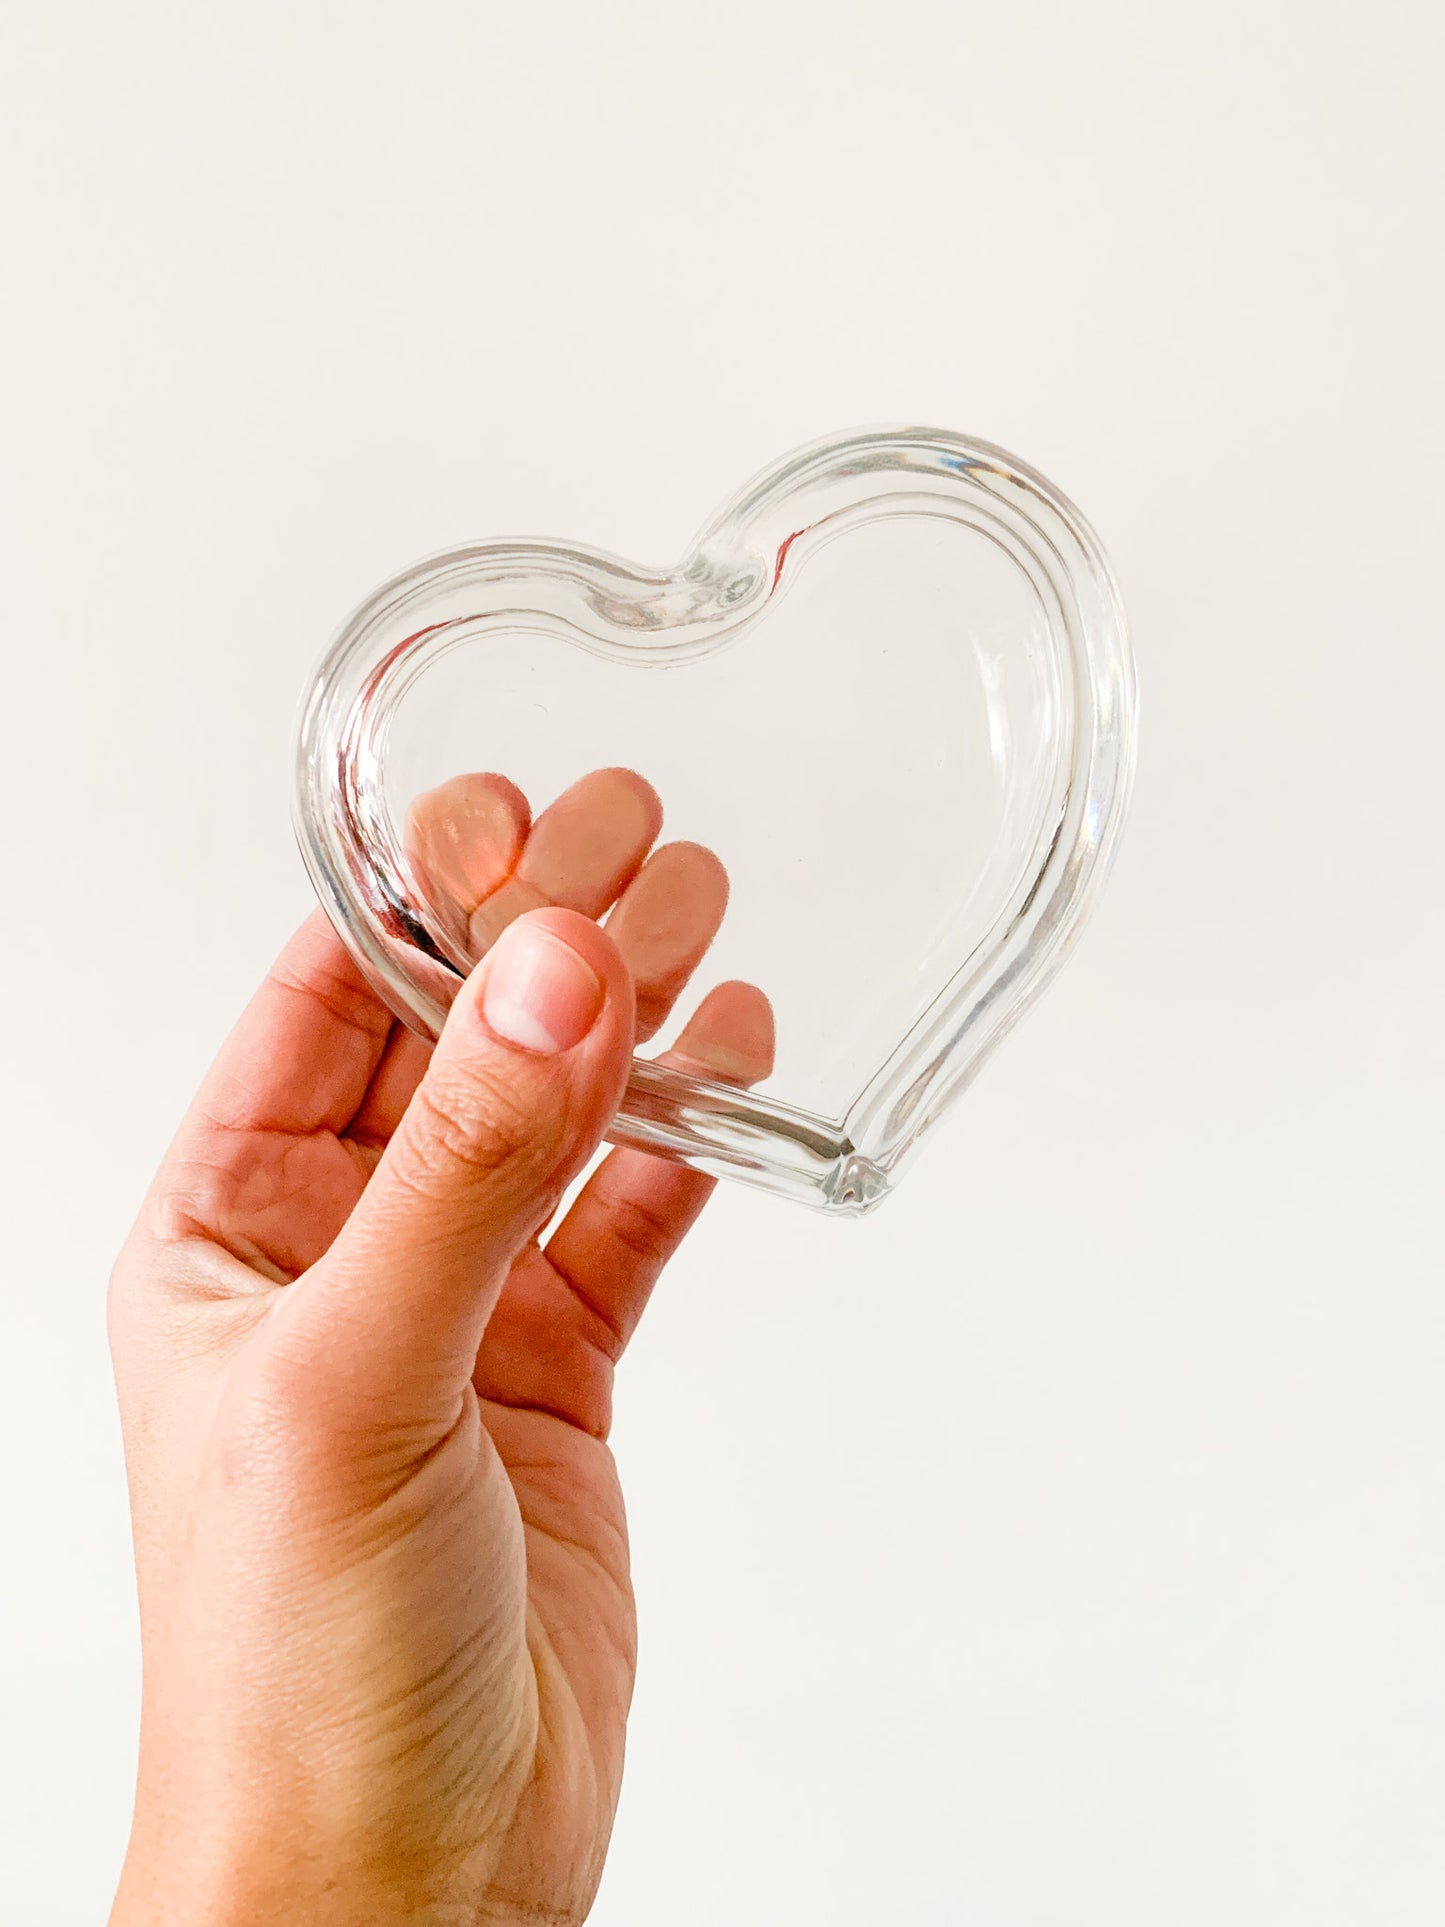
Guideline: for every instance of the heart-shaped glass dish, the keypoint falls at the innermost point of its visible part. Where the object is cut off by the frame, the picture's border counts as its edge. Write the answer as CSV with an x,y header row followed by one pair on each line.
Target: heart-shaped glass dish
x,y
886,702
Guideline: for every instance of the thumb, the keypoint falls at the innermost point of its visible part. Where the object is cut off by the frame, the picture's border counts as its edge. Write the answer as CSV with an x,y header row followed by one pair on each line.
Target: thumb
x,y
526,1076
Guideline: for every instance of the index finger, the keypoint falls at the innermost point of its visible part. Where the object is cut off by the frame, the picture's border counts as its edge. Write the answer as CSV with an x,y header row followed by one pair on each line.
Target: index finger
x,y
303,1053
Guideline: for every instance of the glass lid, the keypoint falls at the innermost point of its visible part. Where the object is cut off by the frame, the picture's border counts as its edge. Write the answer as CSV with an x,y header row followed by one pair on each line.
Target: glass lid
x,y
841,784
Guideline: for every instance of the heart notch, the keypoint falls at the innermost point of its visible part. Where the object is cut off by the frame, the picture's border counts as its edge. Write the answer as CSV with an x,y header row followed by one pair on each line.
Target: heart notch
x,y
885,708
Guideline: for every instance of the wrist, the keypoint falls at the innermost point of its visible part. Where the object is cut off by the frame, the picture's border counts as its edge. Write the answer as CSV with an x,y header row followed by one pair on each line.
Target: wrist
x,y
262,1892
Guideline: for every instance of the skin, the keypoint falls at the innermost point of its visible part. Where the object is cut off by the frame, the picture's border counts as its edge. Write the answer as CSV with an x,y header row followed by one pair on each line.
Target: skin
x,y
387,1625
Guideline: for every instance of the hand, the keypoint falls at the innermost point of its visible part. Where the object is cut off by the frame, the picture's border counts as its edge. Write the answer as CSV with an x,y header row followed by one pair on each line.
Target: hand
x,y
387,1625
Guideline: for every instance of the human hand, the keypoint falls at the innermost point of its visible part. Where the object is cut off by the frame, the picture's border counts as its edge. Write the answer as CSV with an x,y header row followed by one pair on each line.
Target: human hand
x,y
387,1625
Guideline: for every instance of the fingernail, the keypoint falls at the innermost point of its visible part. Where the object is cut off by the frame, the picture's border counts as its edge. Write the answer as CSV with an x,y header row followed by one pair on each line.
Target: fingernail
x,y
539,993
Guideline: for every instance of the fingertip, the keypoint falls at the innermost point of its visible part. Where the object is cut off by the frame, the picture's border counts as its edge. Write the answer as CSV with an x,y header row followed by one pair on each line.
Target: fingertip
x,y
730,1036
647,798
464,838
588,845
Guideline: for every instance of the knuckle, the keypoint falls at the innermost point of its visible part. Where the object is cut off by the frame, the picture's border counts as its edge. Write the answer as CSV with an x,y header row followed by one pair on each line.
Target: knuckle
x,y
482,1126
642,1233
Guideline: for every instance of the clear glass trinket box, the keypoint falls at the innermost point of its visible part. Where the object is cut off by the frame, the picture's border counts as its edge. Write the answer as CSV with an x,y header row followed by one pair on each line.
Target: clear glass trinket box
x,y
843,784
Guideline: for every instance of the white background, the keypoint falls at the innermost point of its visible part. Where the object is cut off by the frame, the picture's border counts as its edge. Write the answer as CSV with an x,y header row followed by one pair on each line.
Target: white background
x,y
1065,1545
